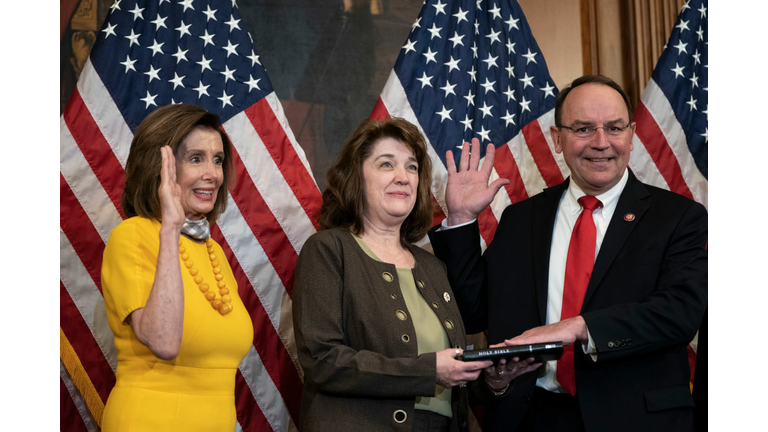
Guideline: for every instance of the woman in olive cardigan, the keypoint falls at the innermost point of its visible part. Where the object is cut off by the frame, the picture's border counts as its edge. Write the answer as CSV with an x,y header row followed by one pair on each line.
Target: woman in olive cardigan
x,y
377,328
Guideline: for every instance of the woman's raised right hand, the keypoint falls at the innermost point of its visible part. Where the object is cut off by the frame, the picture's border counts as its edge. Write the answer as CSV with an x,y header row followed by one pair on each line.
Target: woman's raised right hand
x,y
452,372
169,191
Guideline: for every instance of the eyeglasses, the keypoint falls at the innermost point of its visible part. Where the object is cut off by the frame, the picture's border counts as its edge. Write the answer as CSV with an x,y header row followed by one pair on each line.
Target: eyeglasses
x,y
589,131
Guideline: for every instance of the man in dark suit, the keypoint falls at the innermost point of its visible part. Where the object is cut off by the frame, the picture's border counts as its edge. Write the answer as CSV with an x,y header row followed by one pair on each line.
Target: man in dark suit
x,y
627,303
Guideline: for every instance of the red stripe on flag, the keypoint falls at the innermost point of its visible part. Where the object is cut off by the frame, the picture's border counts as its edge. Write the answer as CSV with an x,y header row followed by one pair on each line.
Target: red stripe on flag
x,y
263,224
380,111
656,144
692,362
95,148
487,223
437,212
84,344
268,344
80,232
537,145
70,419
506,167
249,415
288,162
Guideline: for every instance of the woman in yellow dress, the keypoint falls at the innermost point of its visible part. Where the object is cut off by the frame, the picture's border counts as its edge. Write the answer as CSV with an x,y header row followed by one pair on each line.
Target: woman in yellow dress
x,y
180,327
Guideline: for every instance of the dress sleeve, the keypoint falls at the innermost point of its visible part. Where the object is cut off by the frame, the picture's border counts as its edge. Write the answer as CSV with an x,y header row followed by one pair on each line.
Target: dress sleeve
x,y
129,266
330,363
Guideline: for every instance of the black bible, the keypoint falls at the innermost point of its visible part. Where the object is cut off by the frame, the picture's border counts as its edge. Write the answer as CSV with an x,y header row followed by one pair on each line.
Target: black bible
x,y
540,351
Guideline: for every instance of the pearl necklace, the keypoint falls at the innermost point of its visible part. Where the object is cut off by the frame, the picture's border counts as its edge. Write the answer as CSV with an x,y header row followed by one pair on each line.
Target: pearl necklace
x,y
223,304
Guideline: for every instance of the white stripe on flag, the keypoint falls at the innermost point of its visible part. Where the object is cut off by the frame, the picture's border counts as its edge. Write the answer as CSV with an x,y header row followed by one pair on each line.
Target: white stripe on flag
x,y
661,111
87,298
545,121
394,98
104,112
277,108
643,166
86,186
77,399
264,391
269,181
529,171
500,200
259,270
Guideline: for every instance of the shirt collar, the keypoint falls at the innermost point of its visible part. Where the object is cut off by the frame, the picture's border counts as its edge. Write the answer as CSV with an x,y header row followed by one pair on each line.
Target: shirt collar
x,y
609,199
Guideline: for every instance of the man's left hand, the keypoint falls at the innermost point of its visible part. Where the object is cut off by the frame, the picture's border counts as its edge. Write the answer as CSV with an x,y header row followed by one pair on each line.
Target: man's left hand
x,y
568,331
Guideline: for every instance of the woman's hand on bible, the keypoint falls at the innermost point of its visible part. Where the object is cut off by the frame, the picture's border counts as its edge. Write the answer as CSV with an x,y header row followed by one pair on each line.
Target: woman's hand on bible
x,y
452,372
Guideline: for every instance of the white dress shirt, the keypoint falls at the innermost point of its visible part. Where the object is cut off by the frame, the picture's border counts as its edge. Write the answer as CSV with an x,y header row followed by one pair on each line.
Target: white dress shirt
x,y
568,212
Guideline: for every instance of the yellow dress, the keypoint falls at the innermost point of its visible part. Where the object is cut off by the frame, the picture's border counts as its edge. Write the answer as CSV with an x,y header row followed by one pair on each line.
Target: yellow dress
x,y
196,390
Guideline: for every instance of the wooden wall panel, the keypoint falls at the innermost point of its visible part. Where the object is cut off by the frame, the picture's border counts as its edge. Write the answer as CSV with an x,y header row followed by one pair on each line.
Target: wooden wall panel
x,y
611,43
556,25
650,24
621,39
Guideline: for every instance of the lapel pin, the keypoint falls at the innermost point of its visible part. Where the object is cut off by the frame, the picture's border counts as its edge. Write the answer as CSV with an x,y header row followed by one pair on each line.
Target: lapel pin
x,y
629,217
447,296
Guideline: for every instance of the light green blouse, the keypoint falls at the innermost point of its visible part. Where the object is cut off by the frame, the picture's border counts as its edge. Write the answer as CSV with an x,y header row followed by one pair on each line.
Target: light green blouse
x,y
430,334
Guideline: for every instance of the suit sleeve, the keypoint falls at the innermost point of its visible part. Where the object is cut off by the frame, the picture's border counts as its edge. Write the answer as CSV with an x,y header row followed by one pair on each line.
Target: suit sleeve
x,y
329,362
459,249
671,313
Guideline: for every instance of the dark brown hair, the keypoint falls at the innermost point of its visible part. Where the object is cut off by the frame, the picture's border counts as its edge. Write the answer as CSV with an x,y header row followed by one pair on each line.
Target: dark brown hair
x,y
168,125
344,188
588,79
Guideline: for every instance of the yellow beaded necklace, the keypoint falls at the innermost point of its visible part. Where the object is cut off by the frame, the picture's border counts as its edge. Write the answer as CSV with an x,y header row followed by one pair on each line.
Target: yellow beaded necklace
x,y
224,304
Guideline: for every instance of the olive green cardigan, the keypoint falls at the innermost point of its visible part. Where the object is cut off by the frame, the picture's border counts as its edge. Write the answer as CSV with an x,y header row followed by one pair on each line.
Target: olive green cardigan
x,y
360,359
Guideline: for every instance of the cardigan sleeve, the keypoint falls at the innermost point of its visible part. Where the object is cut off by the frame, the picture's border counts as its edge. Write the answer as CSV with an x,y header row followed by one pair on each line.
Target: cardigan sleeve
x,y
330,363
459,249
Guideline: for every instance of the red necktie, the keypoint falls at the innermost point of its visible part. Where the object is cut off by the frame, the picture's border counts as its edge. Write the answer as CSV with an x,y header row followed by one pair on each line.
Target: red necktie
x,y
578,269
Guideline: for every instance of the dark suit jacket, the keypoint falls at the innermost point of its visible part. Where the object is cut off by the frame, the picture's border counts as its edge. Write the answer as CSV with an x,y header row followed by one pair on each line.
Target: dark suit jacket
x,y
643,305
360,360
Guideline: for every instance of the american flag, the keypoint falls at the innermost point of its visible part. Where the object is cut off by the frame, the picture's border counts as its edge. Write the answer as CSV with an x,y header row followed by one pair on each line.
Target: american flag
x,y
672,117
472,69
671,142
149,54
